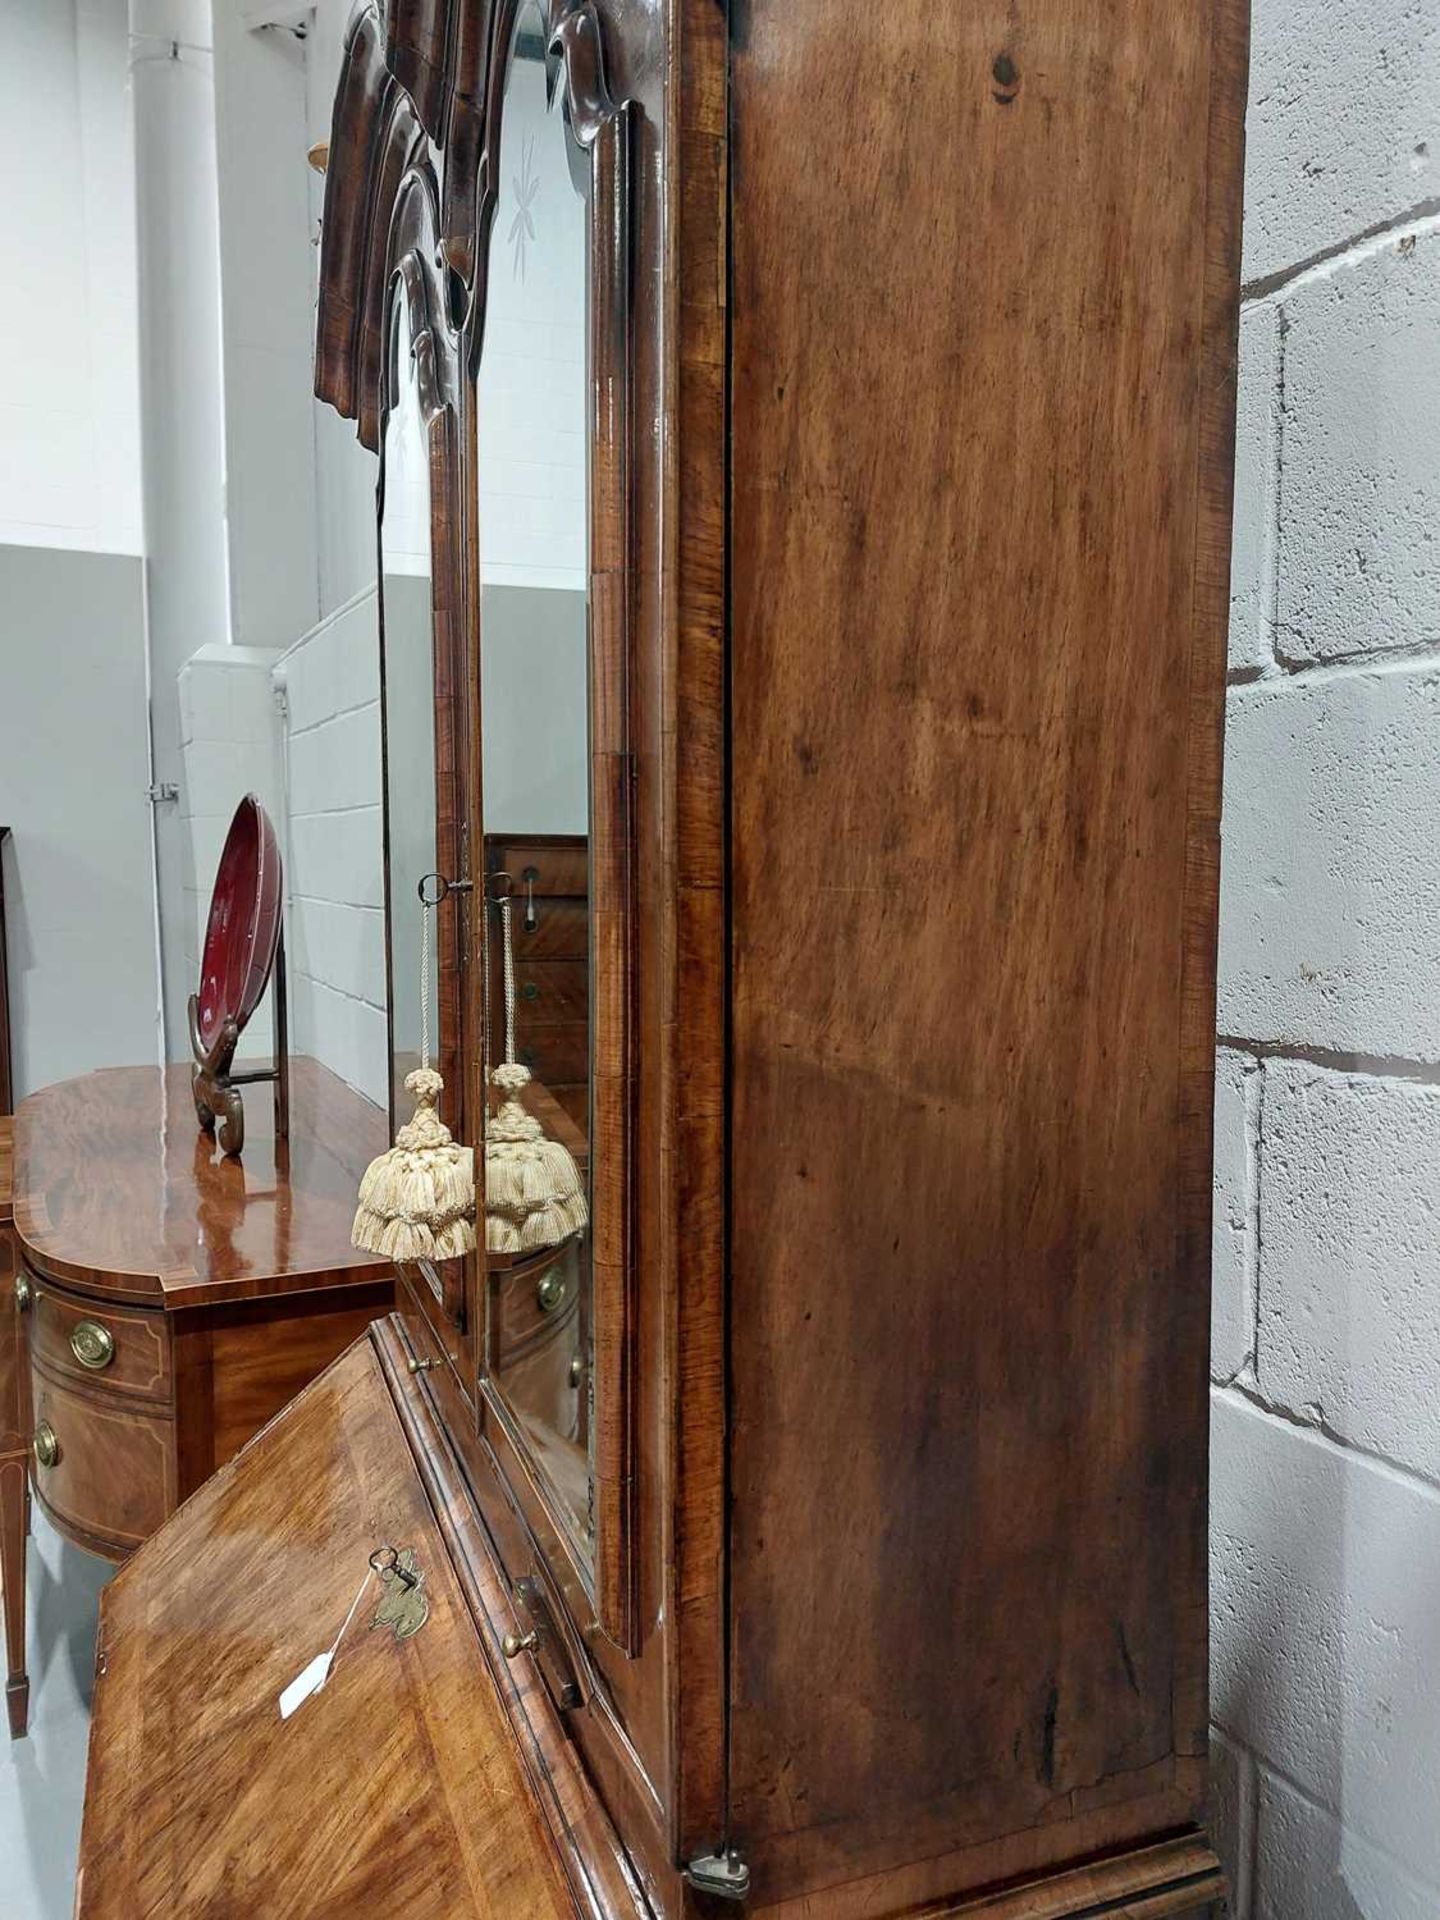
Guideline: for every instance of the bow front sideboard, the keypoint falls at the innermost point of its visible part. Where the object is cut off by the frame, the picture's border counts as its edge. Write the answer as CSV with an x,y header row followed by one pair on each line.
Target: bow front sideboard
x,y
169,1300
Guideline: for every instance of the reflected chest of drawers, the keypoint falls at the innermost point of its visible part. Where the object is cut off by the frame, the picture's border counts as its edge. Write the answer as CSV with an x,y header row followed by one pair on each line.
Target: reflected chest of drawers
x,y
169,1300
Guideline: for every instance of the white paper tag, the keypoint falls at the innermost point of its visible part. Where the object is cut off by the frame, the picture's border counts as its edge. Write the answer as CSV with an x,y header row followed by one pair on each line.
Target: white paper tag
x,y
312,1678
309,1680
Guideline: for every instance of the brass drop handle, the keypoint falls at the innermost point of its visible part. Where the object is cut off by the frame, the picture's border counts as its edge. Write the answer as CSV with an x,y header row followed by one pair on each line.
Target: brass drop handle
x,y
92,1345
517,1643
22,1292
47,1447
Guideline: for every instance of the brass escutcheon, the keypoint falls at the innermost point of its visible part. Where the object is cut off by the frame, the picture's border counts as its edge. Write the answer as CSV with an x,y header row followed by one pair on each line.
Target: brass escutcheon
x,y
403,1606
92,1345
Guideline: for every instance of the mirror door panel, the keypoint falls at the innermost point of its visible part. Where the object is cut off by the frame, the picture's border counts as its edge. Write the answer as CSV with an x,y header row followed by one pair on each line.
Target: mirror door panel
x,y
550,345
423,676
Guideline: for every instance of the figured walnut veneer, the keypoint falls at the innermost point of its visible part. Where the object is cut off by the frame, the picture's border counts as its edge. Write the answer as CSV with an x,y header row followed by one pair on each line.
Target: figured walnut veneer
x,y
397,1788
975,867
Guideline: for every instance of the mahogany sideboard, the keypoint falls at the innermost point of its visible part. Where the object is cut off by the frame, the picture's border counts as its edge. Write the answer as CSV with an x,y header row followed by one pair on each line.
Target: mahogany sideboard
x,y
169,1299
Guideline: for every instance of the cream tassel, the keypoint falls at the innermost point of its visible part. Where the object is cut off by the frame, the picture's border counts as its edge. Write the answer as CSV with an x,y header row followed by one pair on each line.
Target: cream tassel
x,y
417,1202
534,1196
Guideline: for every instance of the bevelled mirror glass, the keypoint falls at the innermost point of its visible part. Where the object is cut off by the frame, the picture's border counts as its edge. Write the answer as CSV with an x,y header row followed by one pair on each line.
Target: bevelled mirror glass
x,y
533,465
408,708
414,687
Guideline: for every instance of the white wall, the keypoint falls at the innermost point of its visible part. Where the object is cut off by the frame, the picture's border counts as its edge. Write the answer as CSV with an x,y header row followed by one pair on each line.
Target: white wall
x,y
1326,1501
260,503
69,385
532,406
182,420
410,781
79,921
532,440
73,752
336,924
230,740
267,283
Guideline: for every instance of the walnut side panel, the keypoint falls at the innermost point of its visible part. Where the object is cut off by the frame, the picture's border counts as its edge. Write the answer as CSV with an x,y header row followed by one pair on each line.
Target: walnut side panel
x,y
980,389
693,902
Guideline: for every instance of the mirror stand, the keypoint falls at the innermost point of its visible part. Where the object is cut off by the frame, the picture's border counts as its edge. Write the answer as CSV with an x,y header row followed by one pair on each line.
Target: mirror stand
x,y
219,1104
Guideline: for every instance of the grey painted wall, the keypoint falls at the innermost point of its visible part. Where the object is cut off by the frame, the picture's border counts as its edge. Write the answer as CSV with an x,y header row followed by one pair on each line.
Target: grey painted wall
x,y
534,715
73,778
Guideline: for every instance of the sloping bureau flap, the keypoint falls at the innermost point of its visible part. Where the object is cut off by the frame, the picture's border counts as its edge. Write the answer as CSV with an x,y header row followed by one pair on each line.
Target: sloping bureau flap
x,y
395,1788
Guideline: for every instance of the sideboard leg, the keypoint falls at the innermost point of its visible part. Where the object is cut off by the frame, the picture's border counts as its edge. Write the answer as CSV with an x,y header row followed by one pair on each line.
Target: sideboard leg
x,y
14,1490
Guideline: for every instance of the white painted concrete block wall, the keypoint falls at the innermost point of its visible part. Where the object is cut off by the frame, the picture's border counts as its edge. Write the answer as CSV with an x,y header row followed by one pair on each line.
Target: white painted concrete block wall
x,y
335,855
1326,1350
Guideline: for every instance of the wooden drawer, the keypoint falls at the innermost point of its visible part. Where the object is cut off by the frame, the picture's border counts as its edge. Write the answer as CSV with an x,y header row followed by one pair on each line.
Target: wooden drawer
x,y
113,1478
558,1056
563,869
561,932
532,1303
62,1326
547,991
441,1358
416,1296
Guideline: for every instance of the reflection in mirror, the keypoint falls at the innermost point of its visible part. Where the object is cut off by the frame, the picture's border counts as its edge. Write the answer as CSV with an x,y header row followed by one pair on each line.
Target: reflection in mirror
x,y
408,709
534,627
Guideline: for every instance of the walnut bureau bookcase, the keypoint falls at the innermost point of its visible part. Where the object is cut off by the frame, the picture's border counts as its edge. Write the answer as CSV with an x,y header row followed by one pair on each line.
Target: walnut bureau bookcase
x,y
821,420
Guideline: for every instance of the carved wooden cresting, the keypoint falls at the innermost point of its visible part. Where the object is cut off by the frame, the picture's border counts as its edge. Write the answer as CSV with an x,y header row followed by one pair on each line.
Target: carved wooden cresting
x,y
823,1532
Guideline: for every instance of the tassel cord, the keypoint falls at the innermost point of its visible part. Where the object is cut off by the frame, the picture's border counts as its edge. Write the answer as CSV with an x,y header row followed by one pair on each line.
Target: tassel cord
x,y
508,950
425,912
417,1201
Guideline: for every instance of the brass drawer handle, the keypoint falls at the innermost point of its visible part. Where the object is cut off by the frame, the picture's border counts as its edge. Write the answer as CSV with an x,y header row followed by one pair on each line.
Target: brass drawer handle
x,y
92,1345
22,1292
549,1290
514,1644
47,1447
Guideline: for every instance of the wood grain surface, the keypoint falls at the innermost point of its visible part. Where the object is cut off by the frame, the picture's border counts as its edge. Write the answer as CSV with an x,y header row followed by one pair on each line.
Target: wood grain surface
x,y
14,1450
114,1479
117,1189
981,348
397,1788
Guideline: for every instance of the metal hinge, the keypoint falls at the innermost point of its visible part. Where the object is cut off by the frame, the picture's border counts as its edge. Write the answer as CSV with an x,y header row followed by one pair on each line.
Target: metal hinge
x,y
162,790
723,1874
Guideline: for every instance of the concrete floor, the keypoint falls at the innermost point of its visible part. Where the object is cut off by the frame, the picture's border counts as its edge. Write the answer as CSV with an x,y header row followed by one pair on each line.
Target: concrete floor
x,y
42,1777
